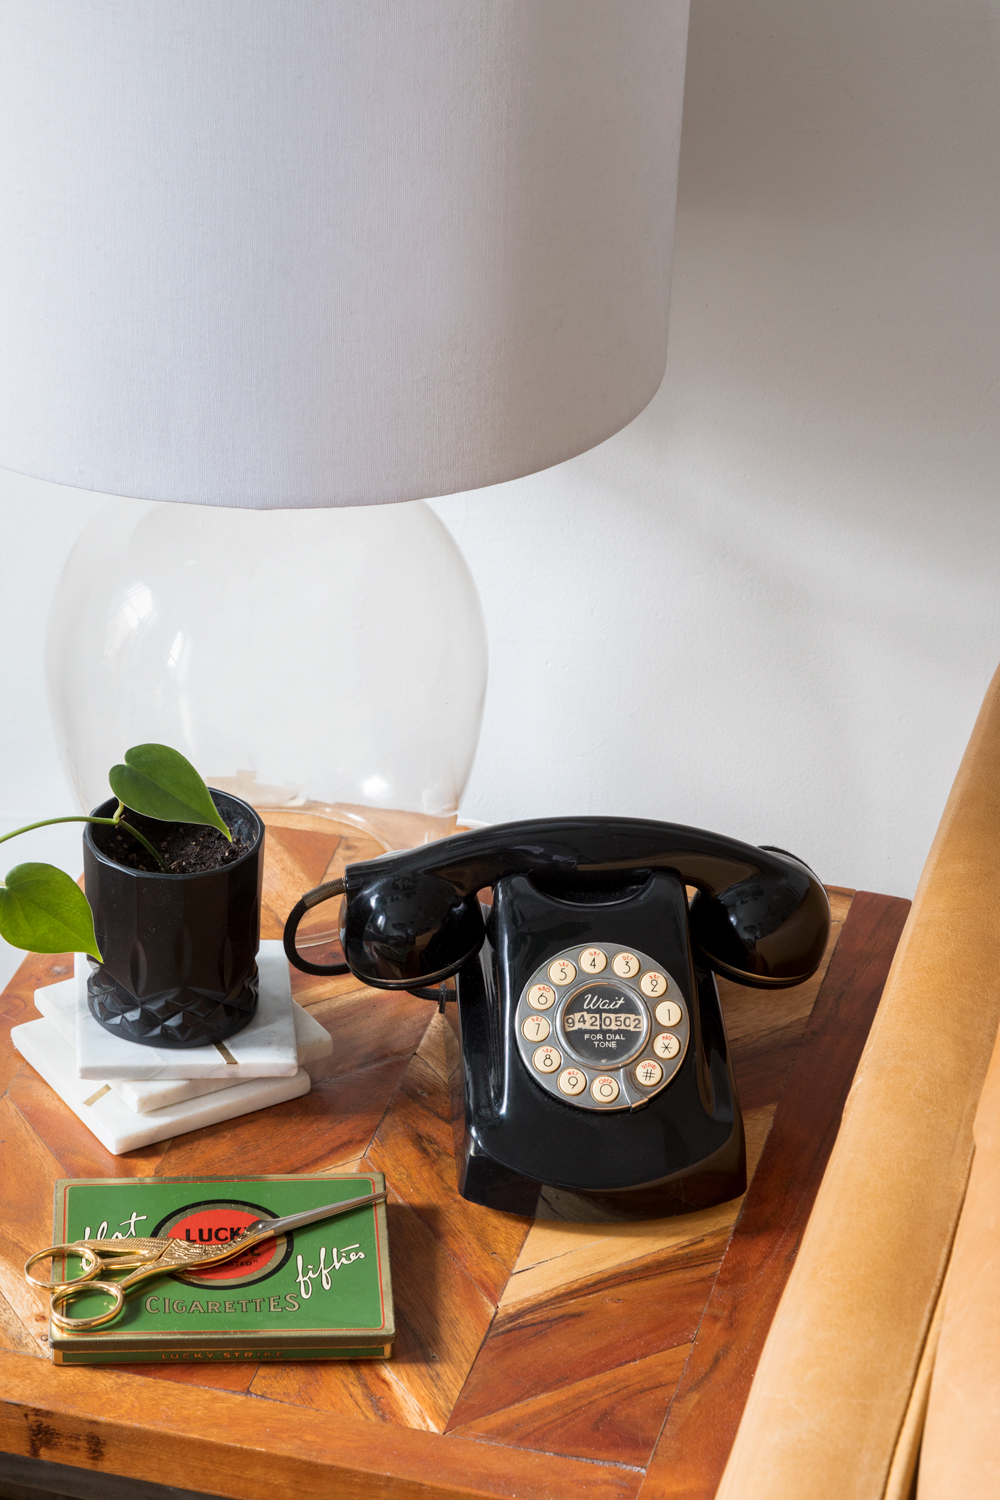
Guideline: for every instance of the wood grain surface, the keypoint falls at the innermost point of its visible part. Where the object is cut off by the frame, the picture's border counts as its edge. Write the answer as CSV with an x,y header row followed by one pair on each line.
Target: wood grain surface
x,y
711,1394
540,1359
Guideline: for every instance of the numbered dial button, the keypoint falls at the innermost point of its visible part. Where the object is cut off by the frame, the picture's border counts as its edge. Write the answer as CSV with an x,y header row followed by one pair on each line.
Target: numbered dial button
x,y
648,1073
593,960
535,1029
572,1081
601,1028
546,1059
541,996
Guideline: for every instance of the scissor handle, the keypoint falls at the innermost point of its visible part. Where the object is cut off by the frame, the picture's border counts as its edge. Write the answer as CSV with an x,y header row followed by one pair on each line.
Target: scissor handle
x,y
69,1291
91,1265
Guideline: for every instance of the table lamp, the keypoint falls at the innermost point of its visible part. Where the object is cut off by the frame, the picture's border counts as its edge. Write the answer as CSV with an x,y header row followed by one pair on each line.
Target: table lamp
x,y
283,269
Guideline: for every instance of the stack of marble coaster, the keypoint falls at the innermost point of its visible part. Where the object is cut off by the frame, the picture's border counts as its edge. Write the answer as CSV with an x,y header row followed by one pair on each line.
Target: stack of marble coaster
x,y
131,1096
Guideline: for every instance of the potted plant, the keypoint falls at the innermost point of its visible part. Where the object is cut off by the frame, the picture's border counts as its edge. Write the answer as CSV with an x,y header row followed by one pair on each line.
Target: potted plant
x,y
171,915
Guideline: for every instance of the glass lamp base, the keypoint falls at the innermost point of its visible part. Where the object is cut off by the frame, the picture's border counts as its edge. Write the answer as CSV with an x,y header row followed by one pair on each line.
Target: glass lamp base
x,y
330,663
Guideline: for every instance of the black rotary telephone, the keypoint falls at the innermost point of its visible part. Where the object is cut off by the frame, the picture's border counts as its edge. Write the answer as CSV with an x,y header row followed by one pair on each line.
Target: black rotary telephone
x,y
597,1074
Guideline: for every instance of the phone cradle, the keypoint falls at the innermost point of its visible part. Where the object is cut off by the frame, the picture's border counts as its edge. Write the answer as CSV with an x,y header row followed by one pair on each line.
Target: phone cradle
x,y
597,1081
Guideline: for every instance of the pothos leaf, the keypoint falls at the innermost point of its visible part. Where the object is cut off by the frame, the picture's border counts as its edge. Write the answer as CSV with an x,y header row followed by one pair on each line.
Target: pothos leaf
x,y
159,783
43,910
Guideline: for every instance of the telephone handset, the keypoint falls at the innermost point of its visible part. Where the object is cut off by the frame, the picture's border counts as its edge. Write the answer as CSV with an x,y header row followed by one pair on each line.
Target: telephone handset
x,y
596,1071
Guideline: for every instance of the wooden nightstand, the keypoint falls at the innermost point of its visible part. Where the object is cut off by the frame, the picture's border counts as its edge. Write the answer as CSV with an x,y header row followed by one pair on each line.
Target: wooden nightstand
x,y
541,1359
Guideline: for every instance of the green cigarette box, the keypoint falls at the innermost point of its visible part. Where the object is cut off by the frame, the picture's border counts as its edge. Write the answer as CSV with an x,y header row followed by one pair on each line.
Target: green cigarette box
x,y
320,1292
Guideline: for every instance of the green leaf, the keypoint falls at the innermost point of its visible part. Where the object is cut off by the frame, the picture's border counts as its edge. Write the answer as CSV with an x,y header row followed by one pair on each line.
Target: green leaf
x,y
159,783
42,910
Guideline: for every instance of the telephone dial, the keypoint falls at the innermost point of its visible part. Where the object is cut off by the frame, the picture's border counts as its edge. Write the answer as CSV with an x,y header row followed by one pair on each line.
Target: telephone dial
x,y
597,1078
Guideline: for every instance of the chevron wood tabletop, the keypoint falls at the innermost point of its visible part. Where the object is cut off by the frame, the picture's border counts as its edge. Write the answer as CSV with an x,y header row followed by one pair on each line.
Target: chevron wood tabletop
x,y
533,1358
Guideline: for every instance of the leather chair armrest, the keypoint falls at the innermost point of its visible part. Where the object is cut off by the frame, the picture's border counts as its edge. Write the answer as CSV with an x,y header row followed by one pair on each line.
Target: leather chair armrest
x,y
831,1395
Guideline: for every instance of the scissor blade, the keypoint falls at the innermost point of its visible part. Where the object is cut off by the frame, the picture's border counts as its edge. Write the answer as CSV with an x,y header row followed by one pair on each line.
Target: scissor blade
x,y
311,1215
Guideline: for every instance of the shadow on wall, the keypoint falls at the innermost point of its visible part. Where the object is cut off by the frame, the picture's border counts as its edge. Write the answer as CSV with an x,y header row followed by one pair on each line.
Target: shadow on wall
x,y
841,216
771,604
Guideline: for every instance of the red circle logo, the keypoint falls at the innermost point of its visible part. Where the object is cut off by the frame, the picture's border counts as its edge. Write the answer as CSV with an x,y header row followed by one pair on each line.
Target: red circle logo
x,y
220,1223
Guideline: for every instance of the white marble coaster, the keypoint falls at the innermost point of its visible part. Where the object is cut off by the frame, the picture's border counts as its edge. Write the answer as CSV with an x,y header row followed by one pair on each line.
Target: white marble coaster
x,y
264,1049
121,1129
57,1003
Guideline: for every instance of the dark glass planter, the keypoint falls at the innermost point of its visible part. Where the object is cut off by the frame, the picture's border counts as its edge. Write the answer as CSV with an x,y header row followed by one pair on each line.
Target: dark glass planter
x,y
180,951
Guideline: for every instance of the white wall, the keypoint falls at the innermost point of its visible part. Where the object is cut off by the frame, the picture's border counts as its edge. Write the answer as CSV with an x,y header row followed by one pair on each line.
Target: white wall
x,y
771,606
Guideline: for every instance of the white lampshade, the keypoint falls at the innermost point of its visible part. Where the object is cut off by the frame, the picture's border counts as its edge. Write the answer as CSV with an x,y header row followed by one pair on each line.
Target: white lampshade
x,y
295,253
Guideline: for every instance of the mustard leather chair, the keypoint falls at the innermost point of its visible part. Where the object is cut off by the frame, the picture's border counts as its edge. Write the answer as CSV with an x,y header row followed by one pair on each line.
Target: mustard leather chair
x,y
880,1376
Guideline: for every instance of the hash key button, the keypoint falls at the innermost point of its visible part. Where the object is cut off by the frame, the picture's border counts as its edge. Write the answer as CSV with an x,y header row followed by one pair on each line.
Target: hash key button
x,y
648,1073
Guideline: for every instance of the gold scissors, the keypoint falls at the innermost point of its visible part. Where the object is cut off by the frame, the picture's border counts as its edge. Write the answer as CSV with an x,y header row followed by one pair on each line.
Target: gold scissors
x,y
159,1257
